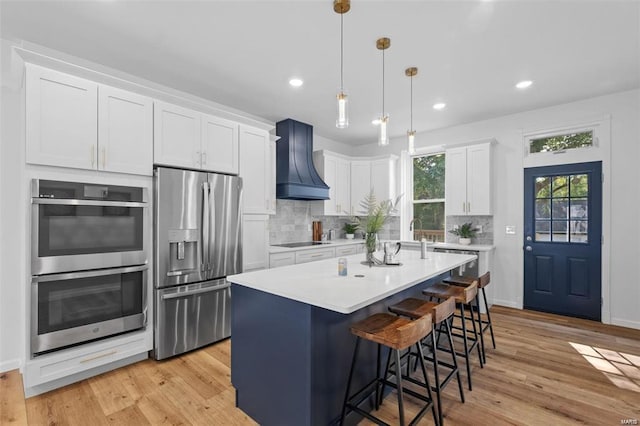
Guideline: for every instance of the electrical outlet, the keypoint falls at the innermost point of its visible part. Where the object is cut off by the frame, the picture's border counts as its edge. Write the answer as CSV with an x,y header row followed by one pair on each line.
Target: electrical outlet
x,y
510,229
309,227
455,227
479,229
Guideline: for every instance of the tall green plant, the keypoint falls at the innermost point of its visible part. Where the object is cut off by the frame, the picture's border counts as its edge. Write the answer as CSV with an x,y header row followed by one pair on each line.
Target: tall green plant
x,y
374,214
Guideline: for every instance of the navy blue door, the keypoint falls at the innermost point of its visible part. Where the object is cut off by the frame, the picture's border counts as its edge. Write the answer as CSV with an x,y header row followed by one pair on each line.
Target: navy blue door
x,y
563,239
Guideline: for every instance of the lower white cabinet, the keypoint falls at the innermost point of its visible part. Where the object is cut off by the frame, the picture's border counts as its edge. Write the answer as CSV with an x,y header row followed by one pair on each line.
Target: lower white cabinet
x,y
316,254
282,259
255,242
347,250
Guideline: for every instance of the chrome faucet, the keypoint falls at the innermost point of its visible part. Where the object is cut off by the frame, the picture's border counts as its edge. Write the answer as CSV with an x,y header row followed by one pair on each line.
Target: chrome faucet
x,y
411,223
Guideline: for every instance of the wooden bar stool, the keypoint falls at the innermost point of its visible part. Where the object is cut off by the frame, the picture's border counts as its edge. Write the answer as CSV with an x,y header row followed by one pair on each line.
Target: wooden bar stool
x,y
397,334
463,296
440,312
483,281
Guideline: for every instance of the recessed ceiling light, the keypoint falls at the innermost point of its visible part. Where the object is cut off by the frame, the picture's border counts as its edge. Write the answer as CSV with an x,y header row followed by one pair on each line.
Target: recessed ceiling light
x,y
375,121
295,82
524,84
439,106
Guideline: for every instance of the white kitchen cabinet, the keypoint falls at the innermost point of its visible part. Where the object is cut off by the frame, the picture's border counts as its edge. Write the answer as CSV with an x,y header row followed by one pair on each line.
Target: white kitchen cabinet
x,y
177,136
282,259
77,123
360,184
61,119
305,256
125,132
346,250
383,178
219,148
468,180
255,242
335,171
257,166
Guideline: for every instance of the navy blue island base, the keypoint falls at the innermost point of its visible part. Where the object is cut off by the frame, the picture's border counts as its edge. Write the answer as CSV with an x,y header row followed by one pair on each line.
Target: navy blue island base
x,y
290,360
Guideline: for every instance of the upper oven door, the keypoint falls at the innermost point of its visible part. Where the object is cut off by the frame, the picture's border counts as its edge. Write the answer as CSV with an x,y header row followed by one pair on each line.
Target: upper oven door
x,y
102,227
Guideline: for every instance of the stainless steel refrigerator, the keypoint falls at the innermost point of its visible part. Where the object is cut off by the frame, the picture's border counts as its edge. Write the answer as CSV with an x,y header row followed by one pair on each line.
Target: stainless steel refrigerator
x,y
197,243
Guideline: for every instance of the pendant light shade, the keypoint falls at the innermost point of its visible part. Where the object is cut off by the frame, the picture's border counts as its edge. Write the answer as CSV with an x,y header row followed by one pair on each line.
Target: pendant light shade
x,y
342,120
411,134
383,137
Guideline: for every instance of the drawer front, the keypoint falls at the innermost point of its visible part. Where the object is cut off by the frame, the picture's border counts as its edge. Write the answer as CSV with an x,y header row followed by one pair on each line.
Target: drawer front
x,y
281,259
313,255
347,250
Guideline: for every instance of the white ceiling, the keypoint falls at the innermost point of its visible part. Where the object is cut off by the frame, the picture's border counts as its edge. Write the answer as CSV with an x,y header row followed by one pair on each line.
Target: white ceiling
x,y
242,53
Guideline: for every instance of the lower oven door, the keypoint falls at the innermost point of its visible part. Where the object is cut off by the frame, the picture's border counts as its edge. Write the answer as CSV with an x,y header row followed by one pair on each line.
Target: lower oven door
x,y
78,307
191,316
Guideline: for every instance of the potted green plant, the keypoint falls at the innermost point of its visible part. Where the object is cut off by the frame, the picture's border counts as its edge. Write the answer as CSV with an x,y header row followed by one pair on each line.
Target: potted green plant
x,y
377,214
350,230
465,232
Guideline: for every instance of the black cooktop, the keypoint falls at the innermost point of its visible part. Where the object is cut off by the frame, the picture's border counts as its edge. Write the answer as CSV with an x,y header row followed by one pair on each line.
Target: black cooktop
x,y
303,244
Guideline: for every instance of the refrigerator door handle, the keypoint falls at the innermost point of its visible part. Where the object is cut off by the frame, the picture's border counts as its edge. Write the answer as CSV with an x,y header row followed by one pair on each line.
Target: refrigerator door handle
x,y
193,292
205,226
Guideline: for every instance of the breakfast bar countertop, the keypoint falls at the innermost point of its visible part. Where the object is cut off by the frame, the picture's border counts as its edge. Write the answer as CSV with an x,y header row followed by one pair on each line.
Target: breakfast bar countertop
x,y
318,283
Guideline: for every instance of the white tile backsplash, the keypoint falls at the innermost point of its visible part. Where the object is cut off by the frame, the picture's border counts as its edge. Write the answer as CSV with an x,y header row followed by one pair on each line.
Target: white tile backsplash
x,y
485,221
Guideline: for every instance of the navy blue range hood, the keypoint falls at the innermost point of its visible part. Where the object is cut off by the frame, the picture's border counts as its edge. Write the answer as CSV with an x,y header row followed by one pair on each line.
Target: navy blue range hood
x,y
296,176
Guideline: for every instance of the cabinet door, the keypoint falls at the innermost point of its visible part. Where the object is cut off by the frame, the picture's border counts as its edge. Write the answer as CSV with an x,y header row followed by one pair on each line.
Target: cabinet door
x,y
306,256
61,119
328,173
282,259
455,181
479,179
343,187
176,136
271,178
360,184
125,132
383,179
256,170
219,145
255,242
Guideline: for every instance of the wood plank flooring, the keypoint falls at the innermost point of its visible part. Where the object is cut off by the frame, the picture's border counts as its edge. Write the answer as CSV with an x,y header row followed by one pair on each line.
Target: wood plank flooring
x,y
534,377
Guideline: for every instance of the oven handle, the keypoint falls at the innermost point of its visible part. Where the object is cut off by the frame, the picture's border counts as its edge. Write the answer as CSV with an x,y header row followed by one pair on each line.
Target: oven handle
x,y
86,274
74,202
196,291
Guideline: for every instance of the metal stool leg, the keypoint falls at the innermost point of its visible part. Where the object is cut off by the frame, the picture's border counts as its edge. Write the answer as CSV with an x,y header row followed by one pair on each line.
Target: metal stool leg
x,y
465,344
455,360
484,355
426,381
435,371
475,336
486,305
346,395
386,373
398,371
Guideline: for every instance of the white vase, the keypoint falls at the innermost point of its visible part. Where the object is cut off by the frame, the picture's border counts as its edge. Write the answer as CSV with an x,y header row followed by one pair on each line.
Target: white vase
x,y
349,236
464,241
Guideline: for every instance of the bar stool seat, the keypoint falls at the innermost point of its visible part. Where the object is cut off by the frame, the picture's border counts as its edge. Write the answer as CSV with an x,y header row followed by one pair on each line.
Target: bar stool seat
x,y
463,296
483,282
440,312
395,333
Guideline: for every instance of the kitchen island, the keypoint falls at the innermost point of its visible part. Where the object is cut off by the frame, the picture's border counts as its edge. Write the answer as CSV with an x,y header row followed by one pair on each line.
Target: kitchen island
x,y
291,347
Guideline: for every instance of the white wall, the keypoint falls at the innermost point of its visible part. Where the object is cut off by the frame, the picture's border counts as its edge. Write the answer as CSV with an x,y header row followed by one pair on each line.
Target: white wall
x,y
624,109
322,143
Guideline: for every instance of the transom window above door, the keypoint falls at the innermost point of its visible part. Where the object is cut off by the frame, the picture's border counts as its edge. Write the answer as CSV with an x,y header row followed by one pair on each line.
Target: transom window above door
x,y
562,142
562,208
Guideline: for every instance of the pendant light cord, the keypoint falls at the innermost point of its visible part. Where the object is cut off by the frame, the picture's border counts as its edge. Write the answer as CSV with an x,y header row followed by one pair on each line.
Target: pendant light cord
x,y
411,103
383,83
341,53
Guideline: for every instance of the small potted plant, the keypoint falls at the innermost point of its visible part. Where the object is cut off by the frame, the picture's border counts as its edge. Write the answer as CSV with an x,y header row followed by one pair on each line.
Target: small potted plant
x,y
350,230
465,232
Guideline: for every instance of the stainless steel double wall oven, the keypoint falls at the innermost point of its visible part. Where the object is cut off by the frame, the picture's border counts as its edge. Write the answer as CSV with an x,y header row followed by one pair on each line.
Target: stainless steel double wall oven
x,y
89,260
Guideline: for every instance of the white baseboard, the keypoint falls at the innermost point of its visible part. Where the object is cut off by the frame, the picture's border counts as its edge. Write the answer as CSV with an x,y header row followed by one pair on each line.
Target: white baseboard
x,y
625,323
506,303
12,364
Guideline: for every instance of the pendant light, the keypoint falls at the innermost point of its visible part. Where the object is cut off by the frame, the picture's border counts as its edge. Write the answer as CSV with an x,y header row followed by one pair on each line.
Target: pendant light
x,y
342,120
411,134
383,138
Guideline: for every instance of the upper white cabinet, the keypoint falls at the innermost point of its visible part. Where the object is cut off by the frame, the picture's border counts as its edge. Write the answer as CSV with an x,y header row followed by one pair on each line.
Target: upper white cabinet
x,y
360,184
377,175
335,171
468,180
125,132
257,169
188,138
73,122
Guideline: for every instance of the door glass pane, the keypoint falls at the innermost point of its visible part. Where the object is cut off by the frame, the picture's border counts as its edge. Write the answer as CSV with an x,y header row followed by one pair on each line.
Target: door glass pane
x,y
560,186
543,209
579,186
579,231
560,208
542,230
559,231
428,221
543,187
579,208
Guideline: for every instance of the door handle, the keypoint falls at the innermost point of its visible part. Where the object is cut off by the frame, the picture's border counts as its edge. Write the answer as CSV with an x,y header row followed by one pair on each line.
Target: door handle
x,y
528,248
194,292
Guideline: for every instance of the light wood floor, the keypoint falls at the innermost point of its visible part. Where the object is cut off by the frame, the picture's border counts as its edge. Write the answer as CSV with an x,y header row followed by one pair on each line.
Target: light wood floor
x,y
534,377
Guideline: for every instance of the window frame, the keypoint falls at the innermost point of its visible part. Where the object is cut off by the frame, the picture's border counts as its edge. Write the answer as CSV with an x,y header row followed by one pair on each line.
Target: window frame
x,y
413,201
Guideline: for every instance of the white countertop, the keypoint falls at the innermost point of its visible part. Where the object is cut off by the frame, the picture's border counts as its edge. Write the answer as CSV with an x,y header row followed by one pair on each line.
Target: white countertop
x,y
455,246
318,283
333,243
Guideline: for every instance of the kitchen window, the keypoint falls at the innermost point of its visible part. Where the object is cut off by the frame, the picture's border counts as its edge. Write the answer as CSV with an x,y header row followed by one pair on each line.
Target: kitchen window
x,y
428,197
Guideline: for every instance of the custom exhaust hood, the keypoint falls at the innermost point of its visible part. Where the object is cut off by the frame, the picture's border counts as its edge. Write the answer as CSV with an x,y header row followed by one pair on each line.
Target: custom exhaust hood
x,y
296,176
